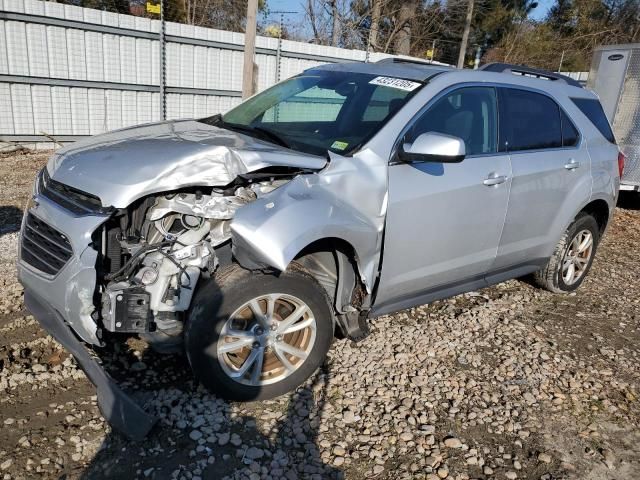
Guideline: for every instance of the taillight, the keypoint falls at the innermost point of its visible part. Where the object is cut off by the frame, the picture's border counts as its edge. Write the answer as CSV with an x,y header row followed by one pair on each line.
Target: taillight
x,y
621,159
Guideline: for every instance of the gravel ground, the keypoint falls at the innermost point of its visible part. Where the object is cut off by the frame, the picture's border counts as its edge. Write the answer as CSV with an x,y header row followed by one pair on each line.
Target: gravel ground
x,y
508,382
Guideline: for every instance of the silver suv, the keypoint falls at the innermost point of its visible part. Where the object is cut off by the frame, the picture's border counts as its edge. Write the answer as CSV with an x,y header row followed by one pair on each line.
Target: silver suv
x,y
248,240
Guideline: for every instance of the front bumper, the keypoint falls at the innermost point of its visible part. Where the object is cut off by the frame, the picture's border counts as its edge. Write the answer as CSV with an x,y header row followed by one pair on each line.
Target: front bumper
x,y
120,410
70,291
65,299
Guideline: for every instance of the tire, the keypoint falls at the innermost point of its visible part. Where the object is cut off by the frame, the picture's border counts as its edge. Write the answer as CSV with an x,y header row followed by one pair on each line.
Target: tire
x,y
210,328
552,277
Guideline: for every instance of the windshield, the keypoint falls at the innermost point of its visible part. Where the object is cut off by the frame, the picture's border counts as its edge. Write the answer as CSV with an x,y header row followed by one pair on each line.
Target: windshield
x,y
321,110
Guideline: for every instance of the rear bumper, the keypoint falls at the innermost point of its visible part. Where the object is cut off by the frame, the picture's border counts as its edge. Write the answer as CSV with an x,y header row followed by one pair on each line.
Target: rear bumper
x,y
120,410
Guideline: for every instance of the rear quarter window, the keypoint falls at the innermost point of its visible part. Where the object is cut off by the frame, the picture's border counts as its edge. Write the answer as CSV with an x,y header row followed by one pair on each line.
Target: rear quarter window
x,y
594,112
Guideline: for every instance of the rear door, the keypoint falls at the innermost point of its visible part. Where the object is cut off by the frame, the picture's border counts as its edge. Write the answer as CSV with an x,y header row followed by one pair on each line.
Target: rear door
x,y
551,176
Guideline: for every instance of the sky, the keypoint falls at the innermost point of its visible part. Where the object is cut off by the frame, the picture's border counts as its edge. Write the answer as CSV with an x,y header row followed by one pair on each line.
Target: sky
x,y
296,6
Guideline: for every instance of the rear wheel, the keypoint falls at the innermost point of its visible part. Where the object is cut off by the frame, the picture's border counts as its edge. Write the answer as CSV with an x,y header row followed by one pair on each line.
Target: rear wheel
x,y
254,336
572,257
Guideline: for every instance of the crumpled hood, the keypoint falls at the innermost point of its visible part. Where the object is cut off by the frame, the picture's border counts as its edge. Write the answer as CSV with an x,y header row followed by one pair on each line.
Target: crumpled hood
x,y
124,165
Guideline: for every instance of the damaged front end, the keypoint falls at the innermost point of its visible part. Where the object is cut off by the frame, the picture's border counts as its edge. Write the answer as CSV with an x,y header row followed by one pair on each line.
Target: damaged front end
x,y
130,270
155,251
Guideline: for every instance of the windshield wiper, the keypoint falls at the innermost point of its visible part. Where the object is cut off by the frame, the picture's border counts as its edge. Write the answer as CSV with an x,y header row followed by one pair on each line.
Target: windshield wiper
x,y
217,121
272,135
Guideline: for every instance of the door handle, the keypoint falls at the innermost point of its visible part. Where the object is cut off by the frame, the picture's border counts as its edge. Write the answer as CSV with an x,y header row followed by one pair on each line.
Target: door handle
x,y
572,165
494,179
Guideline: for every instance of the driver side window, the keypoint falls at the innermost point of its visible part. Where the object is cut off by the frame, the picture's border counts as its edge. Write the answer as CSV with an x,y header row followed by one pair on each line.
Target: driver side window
x,y
469,113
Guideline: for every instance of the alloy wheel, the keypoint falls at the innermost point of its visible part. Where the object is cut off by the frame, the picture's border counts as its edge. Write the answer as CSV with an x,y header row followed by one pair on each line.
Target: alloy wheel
x,y
266,339
577,256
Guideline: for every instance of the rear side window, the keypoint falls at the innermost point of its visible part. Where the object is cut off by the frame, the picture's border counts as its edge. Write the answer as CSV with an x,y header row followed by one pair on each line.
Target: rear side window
x,y
594,112
570,135
528,121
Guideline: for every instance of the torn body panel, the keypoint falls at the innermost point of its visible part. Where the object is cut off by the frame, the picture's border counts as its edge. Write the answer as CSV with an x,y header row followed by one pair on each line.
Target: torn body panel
x,y
346,200
122,166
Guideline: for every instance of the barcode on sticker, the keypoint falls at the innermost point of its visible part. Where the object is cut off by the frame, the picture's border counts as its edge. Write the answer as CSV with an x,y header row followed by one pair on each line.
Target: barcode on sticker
x,y
398,83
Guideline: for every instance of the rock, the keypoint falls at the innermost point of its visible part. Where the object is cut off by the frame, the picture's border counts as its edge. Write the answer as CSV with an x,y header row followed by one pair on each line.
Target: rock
x,y
6,464
609,459
138,366
195,435
339,451
406,436
148,471
378,469
254,453
9,421
511,475
452,442
349,417
224,438
338,461
544,457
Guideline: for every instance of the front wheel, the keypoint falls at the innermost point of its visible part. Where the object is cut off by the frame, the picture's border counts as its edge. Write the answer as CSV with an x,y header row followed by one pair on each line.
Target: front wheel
x,y
572,257
255,336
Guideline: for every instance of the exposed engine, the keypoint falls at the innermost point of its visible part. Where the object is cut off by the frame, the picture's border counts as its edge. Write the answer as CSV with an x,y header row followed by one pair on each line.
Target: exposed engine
x,y
155,252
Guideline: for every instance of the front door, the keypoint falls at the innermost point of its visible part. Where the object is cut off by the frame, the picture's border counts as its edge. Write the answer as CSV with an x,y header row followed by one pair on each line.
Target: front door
x,y
444,220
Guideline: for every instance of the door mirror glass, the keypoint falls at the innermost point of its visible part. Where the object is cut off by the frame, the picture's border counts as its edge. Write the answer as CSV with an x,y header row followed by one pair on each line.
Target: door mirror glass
x,y
433,147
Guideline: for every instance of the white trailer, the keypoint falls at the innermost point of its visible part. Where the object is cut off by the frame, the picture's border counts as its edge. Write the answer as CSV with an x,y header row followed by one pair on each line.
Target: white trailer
x,y
615,77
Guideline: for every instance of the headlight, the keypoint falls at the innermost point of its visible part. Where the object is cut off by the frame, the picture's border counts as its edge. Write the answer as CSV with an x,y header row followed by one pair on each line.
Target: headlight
x,y
37,187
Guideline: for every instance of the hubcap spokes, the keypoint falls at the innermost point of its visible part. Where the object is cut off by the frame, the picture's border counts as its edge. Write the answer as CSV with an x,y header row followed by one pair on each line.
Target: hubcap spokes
x,y
266,339
576,258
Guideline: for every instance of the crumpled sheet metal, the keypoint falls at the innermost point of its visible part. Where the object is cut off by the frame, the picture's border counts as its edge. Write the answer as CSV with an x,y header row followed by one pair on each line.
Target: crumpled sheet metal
x,y
346,200
123,166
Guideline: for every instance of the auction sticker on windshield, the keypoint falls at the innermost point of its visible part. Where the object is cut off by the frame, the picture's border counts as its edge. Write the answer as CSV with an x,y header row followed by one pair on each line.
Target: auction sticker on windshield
x,y
398,83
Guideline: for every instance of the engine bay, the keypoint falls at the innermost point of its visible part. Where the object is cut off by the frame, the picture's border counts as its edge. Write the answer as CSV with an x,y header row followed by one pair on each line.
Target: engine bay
x,y
154,252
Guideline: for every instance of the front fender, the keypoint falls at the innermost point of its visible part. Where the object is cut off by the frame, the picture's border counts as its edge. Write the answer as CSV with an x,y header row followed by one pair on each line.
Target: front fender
x,y
344,201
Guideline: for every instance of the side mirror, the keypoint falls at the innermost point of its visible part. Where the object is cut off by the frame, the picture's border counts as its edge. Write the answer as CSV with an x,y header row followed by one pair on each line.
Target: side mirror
x,y
433,147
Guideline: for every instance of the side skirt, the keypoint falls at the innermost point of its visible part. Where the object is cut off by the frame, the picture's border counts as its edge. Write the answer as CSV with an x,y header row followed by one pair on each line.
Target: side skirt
x,y
456,288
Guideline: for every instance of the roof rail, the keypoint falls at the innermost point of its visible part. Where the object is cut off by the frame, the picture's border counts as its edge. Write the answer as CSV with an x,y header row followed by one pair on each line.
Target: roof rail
x,y
530,72
416,61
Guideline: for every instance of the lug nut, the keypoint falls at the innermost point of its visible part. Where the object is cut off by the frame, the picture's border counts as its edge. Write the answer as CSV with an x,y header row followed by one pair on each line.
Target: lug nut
x,y
259,331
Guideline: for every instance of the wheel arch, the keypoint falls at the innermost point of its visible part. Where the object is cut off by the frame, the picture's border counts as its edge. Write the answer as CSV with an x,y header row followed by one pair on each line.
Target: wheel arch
x,y
600,211
333,262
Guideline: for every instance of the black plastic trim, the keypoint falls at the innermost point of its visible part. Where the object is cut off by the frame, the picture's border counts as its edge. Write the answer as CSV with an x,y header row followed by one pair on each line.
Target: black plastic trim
x,y
118,408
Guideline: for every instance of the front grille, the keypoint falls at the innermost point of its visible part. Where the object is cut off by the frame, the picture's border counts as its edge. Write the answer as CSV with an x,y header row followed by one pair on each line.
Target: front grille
x,y
44,247
69,198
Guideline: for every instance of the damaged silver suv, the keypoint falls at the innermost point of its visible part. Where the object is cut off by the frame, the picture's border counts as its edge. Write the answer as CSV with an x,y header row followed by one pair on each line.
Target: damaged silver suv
x,y
249,239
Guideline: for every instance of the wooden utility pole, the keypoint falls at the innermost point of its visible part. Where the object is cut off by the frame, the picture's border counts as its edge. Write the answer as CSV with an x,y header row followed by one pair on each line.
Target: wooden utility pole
x,y
335,31
249,49
465,35
375,20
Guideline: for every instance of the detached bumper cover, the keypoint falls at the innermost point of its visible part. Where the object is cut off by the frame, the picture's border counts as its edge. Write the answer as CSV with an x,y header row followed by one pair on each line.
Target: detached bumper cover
x,y
120,410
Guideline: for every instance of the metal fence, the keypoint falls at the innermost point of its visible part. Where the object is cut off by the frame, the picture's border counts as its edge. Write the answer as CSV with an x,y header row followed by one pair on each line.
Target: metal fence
x,y
68,72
